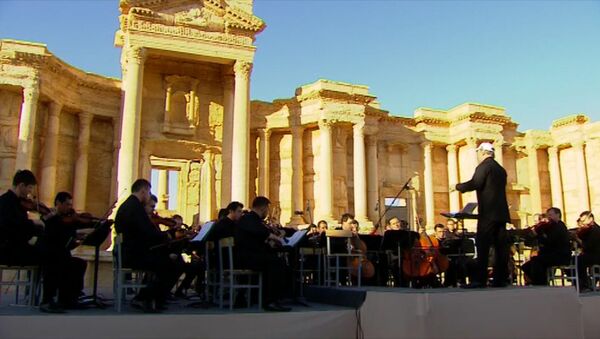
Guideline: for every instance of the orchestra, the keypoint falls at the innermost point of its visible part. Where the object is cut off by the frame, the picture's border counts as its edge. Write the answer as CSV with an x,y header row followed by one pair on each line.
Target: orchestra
x,y
33,234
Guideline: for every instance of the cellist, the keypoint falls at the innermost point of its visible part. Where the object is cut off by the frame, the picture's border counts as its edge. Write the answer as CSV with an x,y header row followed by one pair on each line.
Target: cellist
x,y
588,237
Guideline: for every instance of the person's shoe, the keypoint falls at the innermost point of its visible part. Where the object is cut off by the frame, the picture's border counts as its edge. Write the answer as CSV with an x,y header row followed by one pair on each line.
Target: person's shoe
x,y
276,307
51,307
474,285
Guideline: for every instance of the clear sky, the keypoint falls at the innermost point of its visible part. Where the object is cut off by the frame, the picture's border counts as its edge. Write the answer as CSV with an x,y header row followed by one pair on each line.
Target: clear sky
x,y
539,59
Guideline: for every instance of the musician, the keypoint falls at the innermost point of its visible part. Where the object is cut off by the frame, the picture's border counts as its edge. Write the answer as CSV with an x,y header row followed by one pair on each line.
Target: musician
x,y
63,272
555,248
19,245
322,226
346,222
489,180
394,224
225,226
588,236
439,232
252,252
139,236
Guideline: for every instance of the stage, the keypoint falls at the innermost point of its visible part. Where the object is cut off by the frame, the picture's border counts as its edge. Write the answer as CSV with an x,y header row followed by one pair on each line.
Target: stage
x,y
513,312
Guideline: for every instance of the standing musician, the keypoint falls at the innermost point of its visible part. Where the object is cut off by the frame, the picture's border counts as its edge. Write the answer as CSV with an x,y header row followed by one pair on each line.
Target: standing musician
x,y
139,236
19,236
63,272
588,237
253,253
555,248
489,180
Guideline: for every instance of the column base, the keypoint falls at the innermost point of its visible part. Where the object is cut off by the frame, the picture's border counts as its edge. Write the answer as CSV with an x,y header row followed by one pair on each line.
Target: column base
x,y
296,220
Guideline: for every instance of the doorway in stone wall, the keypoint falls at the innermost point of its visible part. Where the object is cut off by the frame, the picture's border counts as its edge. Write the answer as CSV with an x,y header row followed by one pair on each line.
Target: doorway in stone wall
x,y
176,183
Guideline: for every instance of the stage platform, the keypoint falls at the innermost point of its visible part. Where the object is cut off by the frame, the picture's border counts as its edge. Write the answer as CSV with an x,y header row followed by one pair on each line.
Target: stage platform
x,y
513,312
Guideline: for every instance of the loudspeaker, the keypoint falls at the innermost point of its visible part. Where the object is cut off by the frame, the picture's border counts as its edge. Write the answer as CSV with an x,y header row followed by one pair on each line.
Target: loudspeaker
x,y
347,297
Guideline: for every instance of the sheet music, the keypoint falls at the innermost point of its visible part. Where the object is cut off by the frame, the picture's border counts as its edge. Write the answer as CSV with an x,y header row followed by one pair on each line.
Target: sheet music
x,y
295,238
204,230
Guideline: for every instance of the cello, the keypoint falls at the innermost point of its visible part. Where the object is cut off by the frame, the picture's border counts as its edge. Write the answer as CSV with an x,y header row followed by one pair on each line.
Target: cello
x,y
424,260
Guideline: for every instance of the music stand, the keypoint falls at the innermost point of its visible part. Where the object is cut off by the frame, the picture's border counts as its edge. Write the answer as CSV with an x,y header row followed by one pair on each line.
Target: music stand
x,y
465,213
95,239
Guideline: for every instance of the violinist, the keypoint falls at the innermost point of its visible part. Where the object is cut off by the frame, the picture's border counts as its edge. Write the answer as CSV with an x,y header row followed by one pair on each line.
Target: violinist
x,y
588,236
252,253
139,236
63,272
555,248
225,226
19,236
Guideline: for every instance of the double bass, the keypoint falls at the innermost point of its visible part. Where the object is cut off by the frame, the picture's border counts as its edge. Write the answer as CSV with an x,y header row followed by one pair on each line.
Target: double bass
x,y
367,269
424,259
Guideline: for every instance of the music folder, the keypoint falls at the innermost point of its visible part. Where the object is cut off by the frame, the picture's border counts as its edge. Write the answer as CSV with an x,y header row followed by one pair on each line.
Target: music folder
x,y
465,213
294,239
204,231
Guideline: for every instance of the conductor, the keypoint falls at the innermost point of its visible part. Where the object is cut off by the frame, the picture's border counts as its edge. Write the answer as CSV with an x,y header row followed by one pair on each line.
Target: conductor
x,y
489,181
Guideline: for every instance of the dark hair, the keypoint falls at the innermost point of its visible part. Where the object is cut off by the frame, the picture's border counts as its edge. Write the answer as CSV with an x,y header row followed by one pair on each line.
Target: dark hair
x,y
585,214
322,221
260,201
153,198
61,197
234,205
222,213
392,218
177,216
140,184
555,210
24,176
347,216
438,226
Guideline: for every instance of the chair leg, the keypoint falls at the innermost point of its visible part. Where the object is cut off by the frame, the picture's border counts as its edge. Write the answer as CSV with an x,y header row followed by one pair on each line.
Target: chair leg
x,y
260,285
231,291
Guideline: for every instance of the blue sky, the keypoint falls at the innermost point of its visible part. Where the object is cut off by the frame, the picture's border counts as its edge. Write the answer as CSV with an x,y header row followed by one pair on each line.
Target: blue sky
x,y
538,59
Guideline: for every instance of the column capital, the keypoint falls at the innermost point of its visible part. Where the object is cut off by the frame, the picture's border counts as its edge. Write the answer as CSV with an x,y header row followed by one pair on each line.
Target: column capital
x,y
471,142
242,69
451,148
427,145
499,142
54,108
359,127
85,119
578,143
553,150
326,124
30,92
135,54
371,140
263,132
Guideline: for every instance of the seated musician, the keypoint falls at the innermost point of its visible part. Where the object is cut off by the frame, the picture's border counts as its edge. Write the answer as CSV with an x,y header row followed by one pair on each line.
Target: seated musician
x,y
439,232
142,248
322,226
63,273
394,224
225,226
252,252
19,245
451,230
588,236
555,248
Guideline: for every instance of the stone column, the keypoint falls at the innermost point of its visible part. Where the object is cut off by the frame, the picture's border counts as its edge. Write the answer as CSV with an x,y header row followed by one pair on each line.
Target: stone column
x,y
263,161
27,126
241,148
163,190
228,101
207,188
114,193
372,178
360,175
130,119
428,177
81,165
297,175
555,178
499,151
49,157
581,173
326,175
471,164
534,180
454,197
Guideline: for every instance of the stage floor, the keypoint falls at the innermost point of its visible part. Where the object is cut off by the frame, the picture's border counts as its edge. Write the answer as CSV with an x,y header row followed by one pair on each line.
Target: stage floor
x,y
513,312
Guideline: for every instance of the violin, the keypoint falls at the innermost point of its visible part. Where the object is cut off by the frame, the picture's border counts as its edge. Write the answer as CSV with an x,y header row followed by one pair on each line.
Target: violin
x,y
158,220
31,205
424,259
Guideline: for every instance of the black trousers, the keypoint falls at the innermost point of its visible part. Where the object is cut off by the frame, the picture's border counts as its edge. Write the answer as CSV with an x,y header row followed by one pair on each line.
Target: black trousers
x,y
584,262
165,272
491,234
536,269
64,275
273,270
21,255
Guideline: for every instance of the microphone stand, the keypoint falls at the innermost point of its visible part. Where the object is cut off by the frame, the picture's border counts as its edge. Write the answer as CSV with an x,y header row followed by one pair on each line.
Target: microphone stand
x,y
404,188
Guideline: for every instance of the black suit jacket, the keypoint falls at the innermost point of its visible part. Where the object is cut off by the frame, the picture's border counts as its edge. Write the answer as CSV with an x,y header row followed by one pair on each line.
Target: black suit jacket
x,y
139,233
250,234
591,242
489,181
15,228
